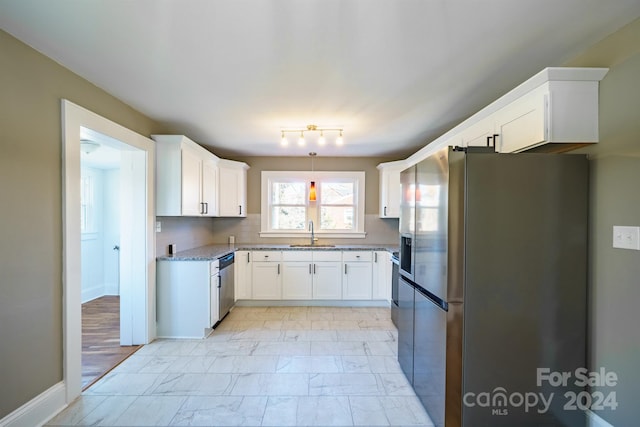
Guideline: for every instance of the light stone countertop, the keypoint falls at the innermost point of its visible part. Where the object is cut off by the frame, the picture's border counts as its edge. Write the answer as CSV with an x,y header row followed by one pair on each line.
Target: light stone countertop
x,y
213,252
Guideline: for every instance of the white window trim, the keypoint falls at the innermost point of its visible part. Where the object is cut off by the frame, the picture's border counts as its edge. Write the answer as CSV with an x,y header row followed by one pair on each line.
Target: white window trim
x,y
308,176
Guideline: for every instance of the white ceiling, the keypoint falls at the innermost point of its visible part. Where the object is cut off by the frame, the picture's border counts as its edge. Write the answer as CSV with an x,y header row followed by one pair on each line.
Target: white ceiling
x,y
231,73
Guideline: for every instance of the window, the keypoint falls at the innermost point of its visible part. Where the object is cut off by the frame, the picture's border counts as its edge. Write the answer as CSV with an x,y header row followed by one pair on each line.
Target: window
x,y
86,204
337,212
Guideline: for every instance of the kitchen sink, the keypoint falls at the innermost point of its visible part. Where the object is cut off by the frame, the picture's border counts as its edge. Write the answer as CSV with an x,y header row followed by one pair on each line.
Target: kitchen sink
x,y
312,246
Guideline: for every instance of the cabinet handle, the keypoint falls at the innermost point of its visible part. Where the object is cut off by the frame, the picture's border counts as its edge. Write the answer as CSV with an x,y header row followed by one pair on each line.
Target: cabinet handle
x,y
385,211
345,269
248,253
375,257
495,135
206,206
240,206
201,208
219,282
489,138
314,269
309,268
278,268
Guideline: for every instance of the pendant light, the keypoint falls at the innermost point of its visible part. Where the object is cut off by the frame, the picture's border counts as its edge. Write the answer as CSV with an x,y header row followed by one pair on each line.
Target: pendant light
x,y
312,187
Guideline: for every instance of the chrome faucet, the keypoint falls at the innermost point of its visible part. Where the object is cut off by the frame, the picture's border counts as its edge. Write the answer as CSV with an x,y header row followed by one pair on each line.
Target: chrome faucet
x,y
313,236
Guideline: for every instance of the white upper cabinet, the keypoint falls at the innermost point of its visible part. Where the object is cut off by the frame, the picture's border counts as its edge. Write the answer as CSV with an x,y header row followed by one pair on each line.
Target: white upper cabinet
x,y
556,110
186,178
390,189
477,135
562,111
232,194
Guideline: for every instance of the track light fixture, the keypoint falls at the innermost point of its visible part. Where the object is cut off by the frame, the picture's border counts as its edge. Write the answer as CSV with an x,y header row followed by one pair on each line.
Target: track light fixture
x,y
311,128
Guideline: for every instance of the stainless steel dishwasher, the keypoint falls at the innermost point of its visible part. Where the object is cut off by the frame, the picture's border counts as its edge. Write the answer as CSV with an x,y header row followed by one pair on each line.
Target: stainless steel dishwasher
x,y
226,285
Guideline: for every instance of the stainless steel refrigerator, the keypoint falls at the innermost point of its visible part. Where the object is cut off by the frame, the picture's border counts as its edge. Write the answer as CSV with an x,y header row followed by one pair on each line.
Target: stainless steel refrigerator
x,y
493,285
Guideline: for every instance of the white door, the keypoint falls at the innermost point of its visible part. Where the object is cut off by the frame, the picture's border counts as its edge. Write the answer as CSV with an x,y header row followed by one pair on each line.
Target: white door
x,y
357,281
230,187
191,183
242,272
209,188
327,280
267,282
296,280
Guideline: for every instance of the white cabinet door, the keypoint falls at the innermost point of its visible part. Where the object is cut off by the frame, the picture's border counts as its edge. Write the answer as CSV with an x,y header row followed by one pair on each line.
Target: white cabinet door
x,y
186,178
267,280
356,283
381,276
191,183
522,123
214,300
233,188
389,192
327,280
209,188
296,280
476,135
242,275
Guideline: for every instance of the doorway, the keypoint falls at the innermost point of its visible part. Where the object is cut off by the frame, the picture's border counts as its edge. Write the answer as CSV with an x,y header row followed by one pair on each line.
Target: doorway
x,y
100,222
136,276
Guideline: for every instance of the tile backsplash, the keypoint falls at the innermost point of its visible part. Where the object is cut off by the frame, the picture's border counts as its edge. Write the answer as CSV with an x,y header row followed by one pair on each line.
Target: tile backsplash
x,y
189,232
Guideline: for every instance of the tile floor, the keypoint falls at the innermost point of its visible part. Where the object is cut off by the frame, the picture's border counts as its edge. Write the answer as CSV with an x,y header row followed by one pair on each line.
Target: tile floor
x,y
263,366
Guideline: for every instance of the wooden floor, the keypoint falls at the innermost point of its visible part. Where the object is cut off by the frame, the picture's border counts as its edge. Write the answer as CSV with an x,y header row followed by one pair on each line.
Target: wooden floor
x,y
101,350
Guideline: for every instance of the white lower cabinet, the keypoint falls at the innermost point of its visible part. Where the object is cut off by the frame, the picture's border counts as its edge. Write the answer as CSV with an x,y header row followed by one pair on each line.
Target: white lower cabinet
x,y
311,275
242,274
297,280
381,276
306,275
266,274
187,298
357,278
327,280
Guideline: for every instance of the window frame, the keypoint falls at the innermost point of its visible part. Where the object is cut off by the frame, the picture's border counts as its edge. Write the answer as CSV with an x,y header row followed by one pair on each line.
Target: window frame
x,y
312,209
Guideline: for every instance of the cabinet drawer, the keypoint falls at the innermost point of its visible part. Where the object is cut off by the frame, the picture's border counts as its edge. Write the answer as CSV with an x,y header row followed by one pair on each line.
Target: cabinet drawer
x,y
355,256
267,256
297,255
327,255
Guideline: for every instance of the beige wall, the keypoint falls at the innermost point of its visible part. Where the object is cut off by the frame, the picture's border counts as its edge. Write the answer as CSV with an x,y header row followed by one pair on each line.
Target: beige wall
x,y
614,284
31,210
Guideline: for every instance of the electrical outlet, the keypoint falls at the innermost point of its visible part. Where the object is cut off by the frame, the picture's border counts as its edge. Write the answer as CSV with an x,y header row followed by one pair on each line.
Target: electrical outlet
x,y
626,237
158,226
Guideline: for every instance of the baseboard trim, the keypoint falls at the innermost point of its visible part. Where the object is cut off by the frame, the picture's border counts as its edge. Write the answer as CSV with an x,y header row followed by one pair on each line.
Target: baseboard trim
x,y
594,420
38,410
312,303
92,293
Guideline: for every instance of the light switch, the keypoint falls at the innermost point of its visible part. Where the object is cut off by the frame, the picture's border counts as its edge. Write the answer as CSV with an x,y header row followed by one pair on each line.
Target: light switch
x,y
626,237
158,226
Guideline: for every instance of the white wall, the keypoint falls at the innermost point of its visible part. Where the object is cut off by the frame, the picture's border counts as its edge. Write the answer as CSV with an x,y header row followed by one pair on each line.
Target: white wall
x,y
99,262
